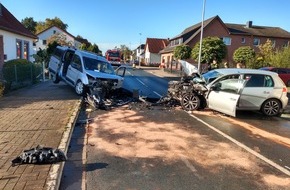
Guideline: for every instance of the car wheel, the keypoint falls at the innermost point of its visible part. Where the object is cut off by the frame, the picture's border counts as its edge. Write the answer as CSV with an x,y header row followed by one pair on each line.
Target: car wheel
x,y
190,102
271,107
288,83
79,88
55,78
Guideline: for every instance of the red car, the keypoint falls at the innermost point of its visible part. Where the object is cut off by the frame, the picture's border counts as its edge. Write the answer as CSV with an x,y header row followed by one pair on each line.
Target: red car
x,y
284,73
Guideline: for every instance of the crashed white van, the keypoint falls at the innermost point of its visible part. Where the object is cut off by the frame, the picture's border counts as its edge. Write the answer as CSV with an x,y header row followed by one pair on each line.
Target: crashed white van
x,y
81,69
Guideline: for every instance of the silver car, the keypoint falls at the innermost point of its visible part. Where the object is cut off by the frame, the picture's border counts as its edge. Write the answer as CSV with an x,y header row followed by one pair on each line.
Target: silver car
x,y
245,89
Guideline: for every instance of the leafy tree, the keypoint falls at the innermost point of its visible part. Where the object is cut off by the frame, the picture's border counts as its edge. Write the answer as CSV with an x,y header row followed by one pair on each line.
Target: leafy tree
x,y
266,51
94,48
213,50
30,24
281,58
60,39
126,52
182,52
243,55
49,23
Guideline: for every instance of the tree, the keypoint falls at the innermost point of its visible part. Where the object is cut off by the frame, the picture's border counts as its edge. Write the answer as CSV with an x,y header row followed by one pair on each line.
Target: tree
x,y
126,52
281,58
266,51
94,48
243,55
182,52
49,23
213,50
30,24
60,39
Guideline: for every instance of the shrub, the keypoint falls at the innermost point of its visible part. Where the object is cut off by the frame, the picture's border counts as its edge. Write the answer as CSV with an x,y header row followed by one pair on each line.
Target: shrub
x,y
20,71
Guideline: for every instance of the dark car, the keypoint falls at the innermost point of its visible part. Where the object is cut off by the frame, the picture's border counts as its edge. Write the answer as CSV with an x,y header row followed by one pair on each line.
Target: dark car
x,y
284,73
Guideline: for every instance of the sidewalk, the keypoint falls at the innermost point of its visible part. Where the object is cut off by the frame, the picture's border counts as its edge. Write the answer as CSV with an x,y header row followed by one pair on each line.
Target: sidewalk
x,y
44,115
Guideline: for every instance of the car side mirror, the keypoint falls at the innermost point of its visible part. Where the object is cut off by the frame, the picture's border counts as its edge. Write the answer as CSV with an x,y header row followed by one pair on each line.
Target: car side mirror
x,y
121,71
216,87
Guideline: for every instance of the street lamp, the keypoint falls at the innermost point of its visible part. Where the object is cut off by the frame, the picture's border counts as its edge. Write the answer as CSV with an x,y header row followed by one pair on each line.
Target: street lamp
x,y
140,51
201,35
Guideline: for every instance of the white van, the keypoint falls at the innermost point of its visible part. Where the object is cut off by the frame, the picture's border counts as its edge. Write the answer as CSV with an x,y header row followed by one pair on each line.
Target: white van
x,y
81,69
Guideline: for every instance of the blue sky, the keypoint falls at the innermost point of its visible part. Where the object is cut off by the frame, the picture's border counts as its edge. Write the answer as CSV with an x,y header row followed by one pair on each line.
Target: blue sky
x,y
110,23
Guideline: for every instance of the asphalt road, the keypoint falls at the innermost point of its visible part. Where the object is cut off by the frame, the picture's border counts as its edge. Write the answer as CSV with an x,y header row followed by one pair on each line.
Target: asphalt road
x,y
141,147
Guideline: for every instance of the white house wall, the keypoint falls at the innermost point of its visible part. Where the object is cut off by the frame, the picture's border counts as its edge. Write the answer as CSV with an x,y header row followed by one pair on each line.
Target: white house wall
x,y
51,31
9,45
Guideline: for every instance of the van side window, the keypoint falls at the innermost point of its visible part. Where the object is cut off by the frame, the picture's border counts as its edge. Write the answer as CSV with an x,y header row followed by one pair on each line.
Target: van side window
x,y
76,63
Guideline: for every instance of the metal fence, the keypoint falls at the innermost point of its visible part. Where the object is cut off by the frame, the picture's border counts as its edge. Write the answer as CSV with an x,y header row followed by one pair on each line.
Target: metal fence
x,y
23,74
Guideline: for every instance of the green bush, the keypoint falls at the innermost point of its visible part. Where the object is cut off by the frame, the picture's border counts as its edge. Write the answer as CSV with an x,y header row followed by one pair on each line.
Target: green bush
x,y
20,72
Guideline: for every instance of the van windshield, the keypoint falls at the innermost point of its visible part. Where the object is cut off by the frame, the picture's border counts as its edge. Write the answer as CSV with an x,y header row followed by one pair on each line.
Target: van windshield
x,y
97,65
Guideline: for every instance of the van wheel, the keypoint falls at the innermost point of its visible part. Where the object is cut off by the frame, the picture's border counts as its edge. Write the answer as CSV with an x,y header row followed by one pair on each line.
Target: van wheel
x,y
79,88
190,102
55,78
271,107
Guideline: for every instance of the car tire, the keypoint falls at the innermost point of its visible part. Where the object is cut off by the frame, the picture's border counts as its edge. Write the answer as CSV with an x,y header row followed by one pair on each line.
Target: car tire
x,y
190,102
271,107
55,78
288,83
79,87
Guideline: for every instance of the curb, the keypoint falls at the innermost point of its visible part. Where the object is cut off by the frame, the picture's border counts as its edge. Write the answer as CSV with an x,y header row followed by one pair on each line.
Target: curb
x,y
56,170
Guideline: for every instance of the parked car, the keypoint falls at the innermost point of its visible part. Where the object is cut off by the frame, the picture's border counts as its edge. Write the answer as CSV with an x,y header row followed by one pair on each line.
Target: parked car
x,y
81,69
245,89
284,73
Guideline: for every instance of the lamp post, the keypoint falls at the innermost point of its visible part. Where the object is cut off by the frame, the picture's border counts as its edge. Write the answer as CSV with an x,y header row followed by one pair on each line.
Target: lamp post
x,y
140,52
201,35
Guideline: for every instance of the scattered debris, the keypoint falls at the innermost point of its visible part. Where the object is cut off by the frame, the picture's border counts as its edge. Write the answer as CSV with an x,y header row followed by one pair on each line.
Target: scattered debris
x,y
40,155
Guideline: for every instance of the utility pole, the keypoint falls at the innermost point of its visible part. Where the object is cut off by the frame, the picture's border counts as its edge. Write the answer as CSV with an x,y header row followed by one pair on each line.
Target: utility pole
x,y
140,52
201,35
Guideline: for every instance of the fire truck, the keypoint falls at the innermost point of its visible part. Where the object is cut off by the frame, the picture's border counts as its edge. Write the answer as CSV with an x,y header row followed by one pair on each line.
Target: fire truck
x,y
114,57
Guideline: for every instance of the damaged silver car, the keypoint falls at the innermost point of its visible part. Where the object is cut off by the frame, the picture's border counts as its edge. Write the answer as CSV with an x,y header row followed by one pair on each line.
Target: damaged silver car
x,y
81,69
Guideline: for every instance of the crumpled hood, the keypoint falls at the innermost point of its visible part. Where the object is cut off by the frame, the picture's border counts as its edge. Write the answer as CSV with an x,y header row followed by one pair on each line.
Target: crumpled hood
x,y
97,74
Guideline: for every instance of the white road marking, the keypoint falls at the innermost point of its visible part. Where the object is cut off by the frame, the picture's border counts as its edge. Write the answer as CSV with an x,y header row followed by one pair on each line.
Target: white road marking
x,y
141,82
278,167
189,165
157,94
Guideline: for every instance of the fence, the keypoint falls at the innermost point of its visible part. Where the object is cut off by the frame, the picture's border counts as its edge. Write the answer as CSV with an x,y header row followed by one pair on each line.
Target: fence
x,y
23,74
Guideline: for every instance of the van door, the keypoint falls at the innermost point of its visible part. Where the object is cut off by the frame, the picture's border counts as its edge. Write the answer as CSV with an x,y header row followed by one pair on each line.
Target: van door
x,y
224,96
74,69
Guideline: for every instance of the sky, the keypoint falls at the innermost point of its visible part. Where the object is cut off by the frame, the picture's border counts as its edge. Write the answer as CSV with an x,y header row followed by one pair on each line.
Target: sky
x,y
111,23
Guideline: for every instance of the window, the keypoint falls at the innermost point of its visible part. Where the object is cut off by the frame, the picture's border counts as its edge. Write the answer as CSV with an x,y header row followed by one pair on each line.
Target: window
x,y
243,40
256,42
54,32
18,49
286,43
258,81
232,85
227,40
76,63
44,42
26,50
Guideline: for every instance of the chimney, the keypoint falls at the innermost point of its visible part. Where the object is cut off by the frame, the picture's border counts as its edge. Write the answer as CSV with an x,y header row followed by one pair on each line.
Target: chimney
x,y
249,24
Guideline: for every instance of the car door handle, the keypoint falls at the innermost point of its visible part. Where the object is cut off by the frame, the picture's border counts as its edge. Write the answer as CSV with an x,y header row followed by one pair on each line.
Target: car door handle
x,y
233,99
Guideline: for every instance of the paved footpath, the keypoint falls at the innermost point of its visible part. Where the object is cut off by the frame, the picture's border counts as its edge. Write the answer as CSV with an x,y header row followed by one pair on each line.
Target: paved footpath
x,y
43,114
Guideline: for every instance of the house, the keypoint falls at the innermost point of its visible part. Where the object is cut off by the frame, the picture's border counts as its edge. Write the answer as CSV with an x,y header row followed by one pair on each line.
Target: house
x,y
138,53
59,33
233,35
15,40
152,48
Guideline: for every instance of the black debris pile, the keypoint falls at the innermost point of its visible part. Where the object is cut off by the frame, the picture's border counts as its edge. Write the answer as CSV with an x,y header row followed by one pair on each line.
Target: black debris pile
x,y
40,155
100,95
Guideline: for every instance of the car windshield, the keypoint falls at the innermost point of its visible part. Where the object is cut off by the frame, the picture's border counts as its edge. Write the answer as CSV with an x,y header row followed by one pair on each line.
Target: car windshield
x,y
114,54
211,75
97,65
